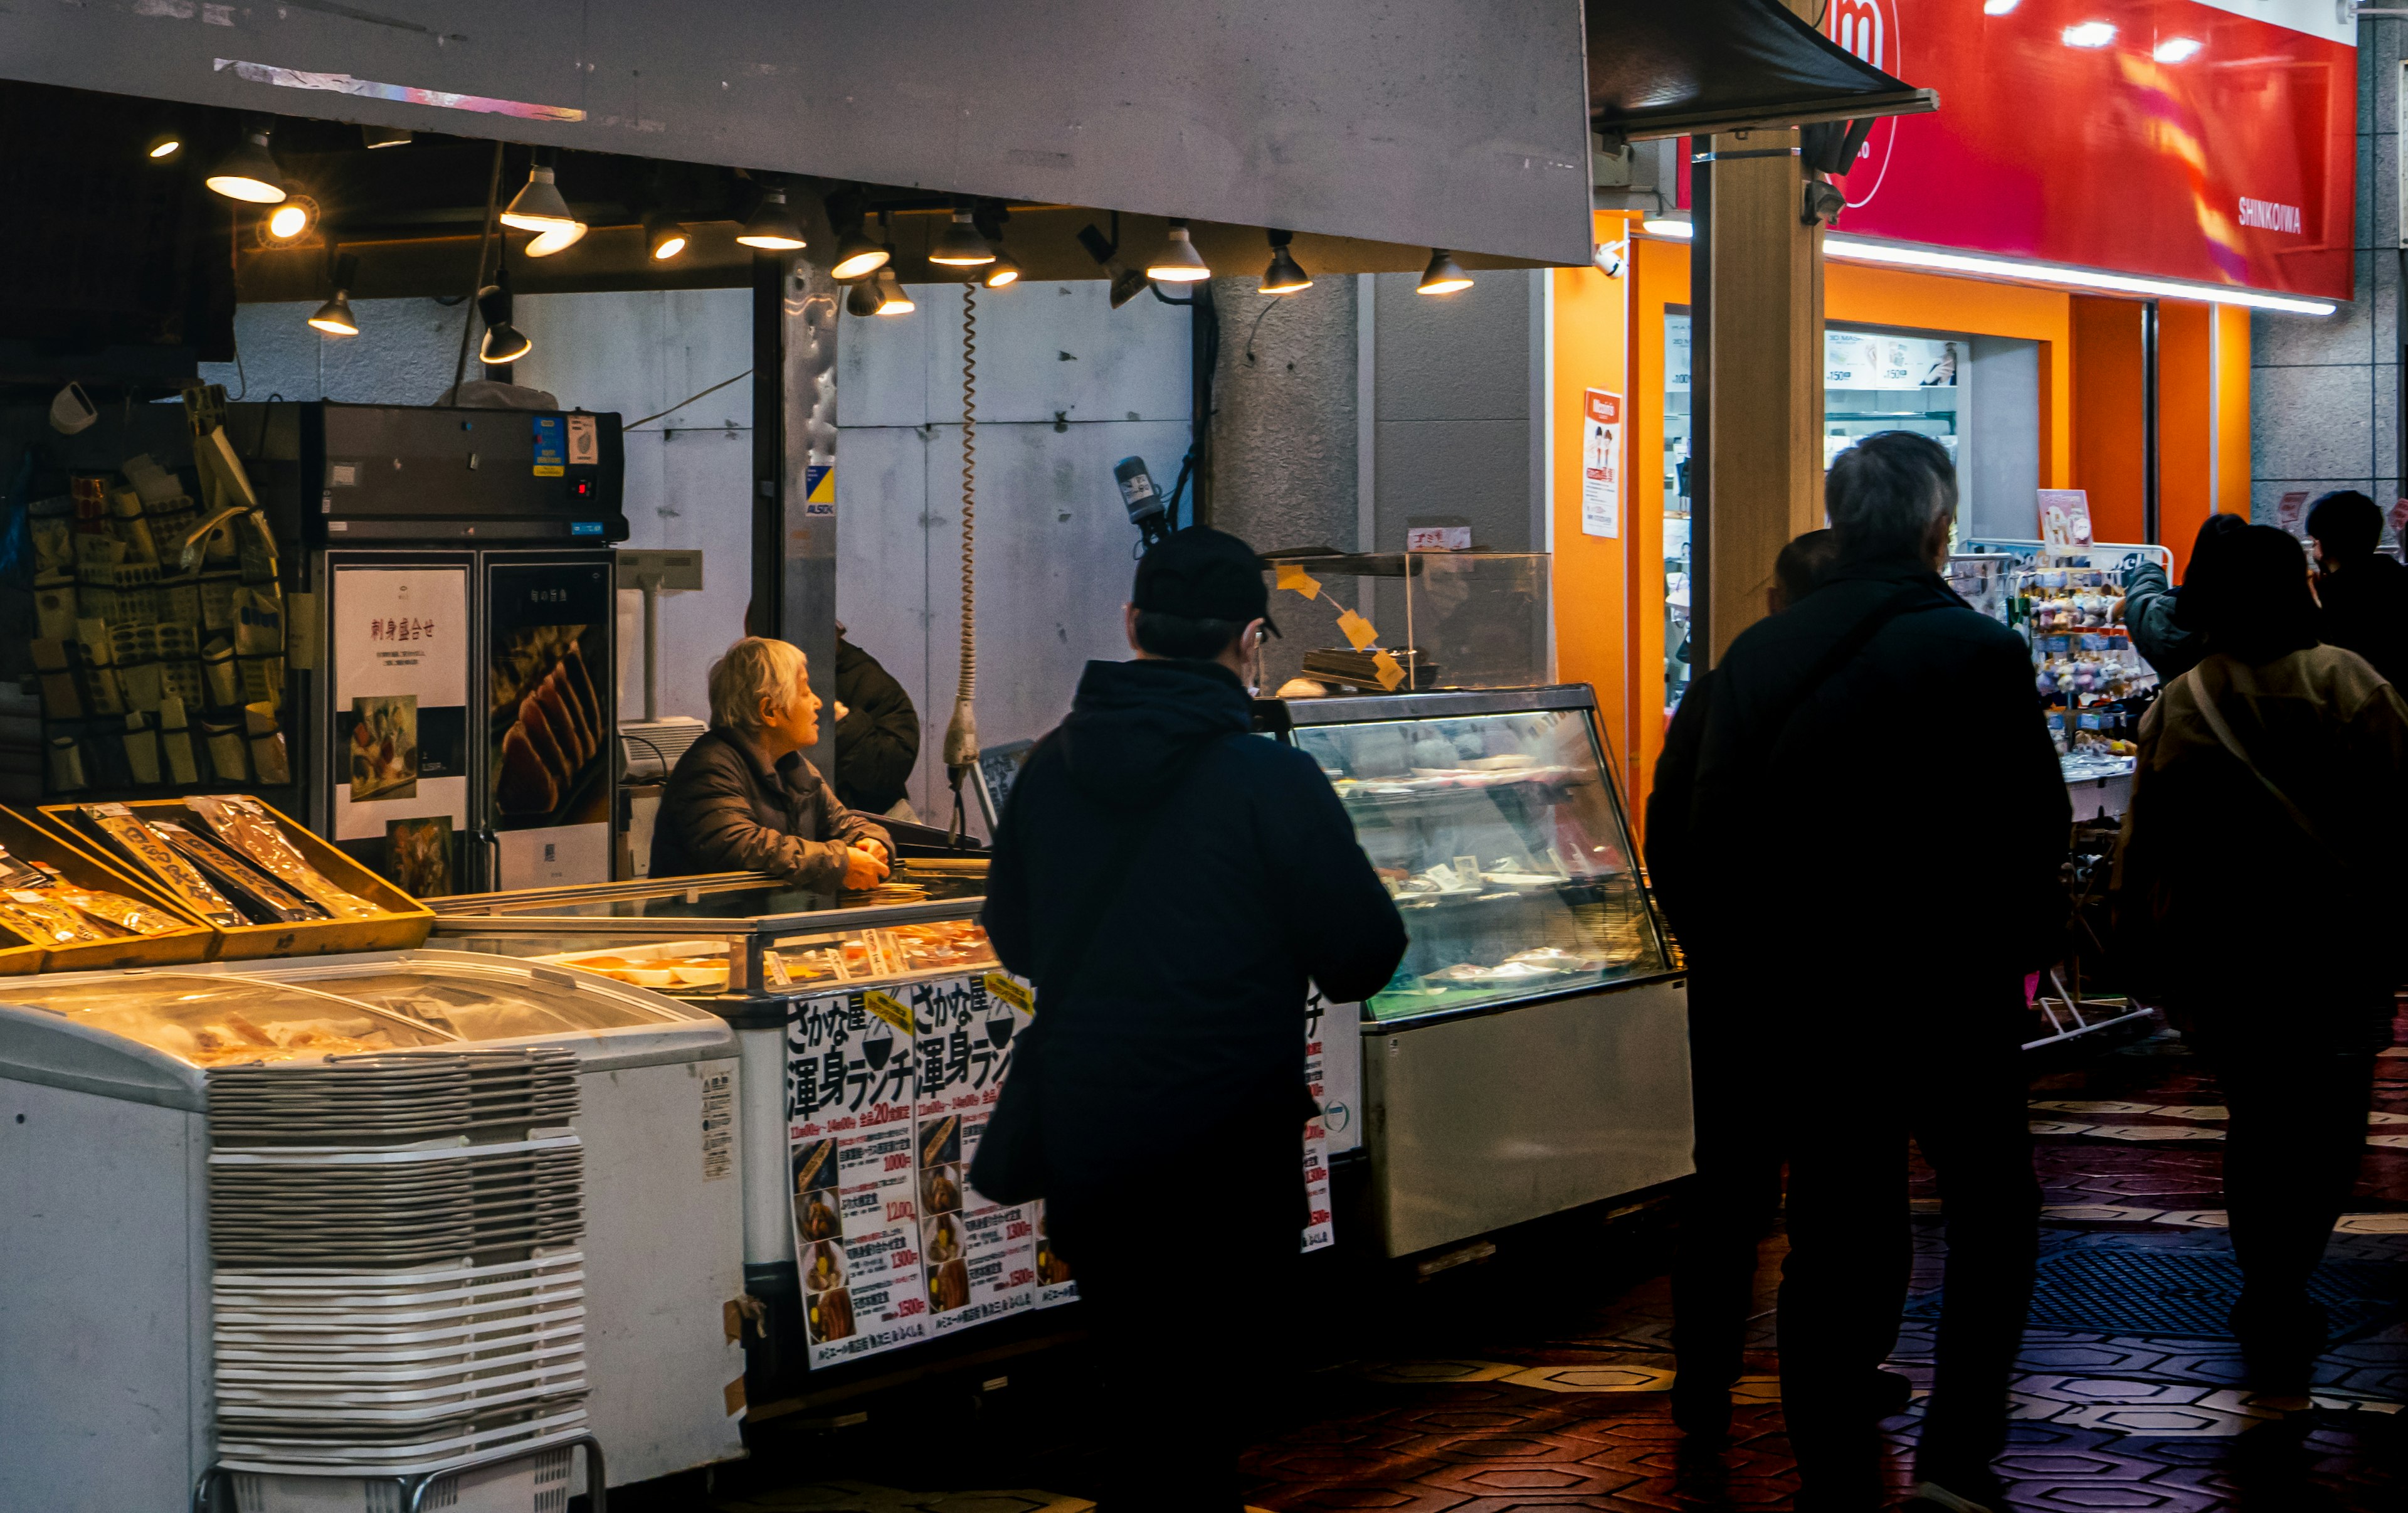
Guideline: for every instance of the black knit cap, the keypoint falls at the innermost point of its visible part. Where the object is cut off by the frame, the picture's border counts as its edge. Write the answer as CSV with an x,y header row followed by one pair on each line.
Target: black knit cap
x,y
1200,574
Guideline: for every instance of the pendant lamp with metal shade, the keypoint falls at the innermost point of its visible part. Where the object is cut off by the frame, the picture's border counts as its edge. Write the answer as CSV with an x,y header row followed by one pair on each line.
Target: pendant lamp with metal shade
x,y
1178,262
958,244
249,173
538,205
504,342
334,316
1285,276
773,227
1443,276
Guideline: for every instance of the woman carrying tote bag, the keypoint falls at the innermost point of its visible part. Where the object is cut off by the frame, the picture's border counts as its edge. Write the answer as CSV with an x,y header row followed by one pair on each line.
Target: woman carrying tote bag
x,y
2259,877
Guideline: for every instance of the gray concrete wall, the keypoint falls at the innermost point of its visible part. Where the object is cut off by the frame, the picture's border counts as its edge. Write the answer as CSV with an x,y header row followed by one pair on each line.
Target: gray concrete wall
x,y
1285,453
1453,416
2323,392
1067,387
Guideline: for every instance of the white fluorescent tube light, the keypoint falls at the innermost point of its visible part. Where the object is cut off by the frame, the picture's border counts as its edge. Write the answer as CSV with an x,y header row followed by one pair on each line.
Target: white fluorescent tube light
x,y
1896,255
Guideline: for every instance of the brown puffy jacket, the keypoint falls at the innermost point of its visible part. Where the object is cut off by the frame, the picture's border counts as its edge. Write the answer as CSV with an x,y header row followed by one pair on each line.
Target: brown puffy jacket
x,y
728,810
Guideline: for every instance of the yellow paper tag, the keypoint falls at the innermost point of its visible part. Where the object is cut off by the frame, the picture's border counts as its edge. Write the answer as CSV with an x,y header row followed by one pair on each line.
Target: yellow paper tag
x,y
889,1008
1359,631
1292,575
1391,672
1011,990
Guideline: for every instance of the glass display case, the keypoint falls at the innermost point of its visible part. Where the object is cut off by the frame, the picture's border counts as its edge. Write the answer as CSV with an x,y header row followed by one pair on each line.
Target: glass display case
x,y
738,934
1382,621
1531,1055
1494,824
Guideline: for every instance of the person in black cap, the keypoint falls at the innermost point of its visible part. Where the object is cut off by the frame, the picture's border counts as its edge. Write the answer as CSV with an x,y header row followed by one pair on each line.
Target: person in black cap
x,y
1176,886
2363,593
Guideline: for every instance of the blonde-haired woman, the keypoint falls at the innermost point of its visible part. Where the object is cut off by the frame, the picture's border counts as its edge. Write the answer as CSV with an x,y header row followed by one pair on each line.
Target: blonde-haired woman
x,y
743,800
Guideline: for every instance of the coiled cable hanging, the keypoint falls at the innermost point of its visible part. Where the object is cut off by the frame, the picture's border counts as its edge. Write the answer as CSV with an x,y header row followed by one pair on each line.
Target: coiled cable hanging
x,y
961,734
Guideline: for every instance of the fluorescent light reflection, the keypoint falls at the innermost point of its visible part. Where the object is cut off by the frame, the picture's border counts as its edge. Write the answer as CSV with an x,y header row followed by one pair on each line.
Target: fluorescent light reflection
x,y
1856,250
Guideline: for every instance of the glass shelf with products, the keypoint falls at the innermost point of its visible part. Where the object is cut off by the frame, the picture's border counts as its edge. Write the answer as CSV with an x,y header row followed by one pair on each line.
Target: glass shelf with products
x,y
2068,603
738,935
1494,821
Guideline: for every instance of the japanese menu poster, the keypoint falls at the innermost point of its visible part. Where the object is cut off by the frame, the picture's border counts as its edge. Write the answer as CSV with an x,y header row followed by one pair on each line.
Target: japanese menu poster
x,y
888,1094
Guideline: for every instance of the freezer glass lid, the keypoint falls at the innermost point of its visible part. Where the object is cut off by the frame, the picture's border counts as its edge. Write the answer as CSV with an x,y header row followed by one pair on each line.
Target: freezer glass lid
x,y
225,1021
479,1006
726,901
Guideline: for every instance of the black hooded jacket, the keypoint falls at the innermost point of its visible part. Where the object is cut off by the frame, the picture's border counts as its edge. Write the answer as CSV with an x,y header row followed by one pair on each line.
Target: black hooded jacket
x,y
1188,1011
2366,610
1906,816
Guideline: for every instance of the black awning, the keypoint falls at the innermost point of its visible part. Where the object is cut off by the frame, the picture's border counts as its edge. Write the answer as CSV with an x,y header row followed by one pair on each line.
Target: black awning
x,y
1706,65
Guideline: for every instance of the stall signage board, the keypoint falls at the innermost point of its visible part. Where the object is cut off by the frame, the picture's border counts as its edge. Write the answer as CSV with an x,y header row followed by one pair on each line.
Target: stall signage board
x,y
2064,518
1601,464
401,660
2211,141
888,1094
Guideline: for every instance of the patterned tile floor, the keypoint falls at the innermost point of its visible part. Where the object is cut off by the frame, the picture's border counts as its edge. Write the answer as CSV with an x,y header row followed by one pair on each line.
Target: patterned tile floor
x,y
1536,1380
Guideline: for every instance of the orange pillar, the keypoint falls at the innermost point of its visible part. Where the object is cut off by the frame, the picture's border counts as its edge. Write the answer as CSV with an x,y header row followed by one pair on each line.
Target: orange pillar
x,y
2107,413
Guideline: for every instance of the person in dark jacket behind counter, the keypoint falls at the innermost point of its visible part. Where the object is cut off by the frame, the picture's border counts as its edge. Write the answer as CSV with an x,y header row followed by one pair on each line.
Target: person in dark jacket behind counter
x,y
2364,593
743,800
1834,907
877,734
1174,1054
2165,637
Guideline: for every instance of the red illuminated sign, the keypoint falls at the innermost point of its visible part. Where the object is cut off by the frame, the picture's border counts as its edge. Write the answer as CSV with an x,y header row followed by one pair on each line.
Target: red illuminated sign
x,y
2210,140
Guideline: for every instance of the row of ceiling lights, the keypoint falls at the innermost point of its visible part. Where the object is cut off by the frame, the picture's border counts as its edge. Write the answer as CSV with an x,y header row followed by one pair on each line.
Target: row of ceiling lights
x,y
2098,33
250,174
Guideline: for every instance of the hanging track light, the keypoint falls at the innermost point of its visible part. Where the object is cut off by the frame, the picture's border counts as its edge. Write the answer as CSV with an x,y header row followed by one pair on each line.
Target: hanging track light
x,y
289,222
1002,273
249,173
545,243
538,205
1285,275
664,237
335,317
863,298
892,300
856,256
1178,262
377,137
773,226
167,145
959,244
504,342
1443,276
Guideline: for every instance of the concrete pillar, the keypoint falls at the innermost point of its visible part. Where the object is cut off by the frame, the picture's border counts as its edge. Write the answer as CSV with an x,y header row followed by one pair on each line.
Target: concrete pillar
x,y
1764,353
1285,412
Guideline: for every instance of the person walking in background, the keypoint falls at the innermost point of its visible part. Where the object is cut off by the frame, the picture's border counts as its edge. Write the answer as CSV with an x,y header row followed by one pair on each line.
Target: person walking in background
x,y
1889,1021
2152,606
2275,763
877,734
1734,1088
2364,592
1174,886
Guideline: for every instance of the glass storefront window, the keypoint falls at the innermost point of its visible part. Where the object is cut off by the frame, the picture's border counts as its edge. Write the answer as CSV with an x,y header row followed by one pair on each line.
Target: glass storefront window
x,y
1872,381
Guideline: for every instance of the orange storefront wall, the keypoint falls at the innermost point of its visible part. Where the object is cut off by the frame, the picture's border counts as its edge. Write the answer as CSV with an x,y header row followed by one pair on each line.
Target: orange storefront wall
x,y
1609,334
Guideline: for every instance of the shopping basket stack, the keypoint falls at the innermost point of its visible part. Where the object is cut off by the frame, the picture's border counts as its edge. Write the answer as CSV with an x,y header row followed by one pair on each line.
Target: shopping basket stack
x,y
396,1286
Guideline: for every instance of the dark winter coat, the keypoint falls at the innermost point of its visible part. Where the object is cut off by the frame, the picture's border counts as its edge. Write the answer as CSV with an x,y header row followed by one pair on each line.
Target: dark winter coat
x,y
1189,1009
728,808
2151,606
2207,850
2366,610
1906,817
878,741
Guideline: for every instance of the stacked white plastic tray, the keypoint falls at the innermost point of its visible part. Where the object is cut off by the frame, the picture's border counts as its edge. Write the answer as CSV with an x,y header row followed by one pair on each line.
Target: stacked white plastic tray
x,y
397,1287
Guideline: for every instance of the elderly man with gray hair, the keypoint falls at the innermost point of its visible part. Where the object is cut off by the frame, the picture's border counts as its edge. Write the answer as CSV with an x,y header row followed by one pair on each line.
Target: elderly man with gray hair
x,y
1860,856
743,798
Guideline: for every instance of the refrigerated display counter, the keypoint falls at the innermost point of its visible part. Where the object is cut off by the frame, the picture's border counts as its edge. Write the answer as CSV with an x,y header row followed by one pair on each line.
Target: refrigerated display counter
x,y
1531,1053
858,1018
233,1140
